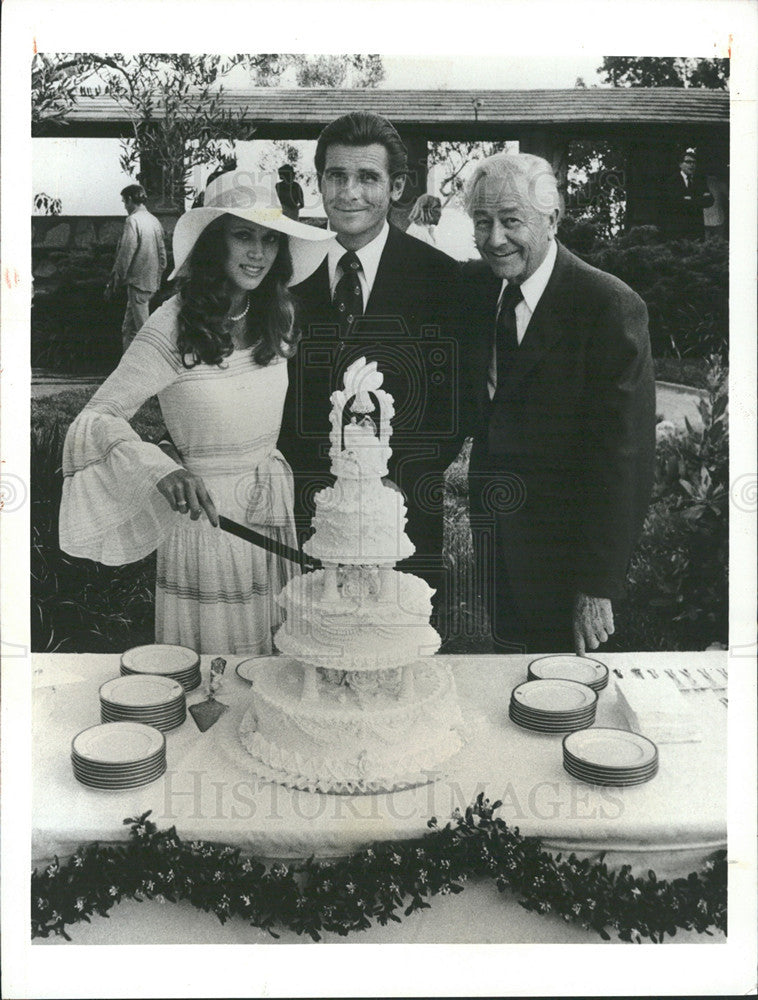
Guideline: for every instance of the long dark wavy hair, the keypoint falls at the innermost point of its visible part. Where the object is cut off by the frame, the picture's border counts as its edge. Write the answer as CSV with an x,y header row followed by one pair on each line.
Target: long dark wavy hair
x,y
206,297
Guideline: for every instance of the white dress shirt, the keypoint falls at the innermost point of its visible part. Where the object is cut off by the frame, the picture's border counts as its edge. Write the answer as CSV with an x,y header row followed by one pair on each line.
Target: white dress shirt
x,y
532,290
369,256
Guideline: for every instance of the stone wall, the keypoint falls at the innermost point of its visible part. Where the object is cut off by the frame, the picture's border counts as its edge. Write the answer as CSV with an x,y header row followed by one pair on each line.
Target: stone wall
x,y
66,232
55,238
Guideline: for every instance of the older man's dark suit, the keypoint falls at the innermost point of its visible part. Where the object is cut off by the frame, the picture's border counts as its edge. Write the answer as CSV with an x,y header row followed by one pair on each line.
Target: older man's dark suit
x,y
562,461
410,328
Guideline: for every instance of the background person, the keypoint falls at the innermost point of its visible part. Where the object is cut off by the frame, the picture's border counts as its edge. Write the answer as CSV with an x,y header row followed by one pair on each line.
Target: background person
x,y
140,261
685,195
289,192
561,377
424,218
216,356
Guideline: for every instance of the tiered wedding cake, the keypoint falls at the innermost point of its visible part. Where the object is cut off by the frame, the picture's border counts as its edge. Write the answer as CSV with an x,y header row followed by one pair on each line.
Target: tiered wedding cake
x,y
358,703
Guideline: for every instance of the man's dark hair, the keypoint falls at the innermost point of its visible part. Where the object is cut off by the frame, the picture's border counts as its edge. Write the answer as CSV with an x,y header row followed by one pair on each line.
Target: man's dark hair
x,y
135,193
363,128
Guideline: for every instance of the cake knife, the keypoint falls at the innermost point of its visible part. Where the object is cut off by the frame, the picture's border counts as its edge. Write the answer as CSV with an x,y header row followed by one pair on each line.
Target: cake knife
x,y
264,542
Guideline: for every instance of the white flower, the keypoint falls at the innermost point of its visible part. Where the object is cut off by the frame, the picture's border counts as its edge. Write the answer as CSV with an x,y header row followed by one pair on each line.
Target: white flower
x,y
80,904
113,891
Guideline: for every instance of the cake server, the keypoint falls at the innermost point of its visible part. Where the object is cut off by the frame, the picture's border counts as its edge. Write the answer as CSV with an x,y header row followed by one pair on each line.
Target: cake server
x,y
207,712
264,542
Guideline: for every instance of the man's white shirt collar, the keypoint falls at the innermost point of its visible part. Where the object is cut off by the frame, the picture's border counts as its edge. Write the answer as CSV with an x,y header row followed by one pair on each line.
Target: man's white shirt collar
x,y
369,256
535,285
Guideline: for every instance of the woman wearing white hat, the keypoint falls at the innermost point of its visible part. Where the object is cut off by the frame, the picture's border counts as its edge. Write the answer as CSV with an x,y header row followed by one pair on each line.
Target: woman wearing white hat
x,y
215,355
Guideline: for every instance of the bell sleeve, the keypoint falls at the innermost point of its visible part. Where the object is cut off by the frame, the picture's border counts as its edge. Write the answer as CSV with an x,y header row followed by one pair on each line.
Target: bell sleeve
x,y
111,511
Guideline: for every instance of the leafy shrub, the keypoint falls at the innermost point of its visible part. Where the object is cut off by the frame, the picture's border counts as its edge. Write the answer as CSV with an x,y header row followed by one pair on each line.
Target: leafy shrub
x,y
685,283
78,605
678,578
73,328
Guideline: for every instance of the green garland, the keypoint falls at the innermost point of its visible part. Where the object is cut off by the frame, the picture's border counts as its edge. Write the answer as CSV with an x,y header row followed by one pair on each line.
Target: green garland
x,y
313,897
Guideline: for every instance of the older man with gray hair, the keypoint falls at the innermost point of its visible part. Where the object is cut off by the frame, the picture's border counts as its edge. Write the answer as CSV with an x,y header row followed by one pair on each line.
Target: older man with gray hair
x,y
560,378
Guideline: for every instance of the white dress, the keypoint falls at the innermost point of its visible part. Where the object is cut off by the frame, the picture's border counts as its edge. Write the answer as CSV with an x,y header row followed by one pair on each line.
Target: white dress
x,y
214,593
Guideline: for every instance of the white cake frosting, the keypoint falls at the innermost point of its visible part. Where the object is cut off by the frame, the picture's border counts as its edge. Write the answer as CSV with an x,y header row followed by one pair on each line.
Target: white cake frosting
x,y
378,619
357,703
359,521
333,744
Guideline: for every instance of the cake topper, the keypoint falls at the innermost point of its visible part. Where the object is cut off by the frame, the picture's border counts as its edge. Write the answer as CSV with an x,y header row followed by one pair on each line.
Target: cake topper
x,y
362,380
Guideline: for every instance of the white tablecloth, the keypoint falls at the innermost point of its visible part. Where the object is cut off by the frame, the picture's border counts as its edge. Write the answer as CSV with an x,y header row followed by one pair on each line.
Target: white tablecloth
x,y
210,791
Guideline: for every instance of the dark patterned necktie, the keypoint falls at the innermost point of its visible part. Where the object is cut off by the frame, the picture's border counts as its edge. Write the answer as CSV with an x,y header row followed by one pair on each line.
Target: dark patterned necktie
x,y
348,296
506,331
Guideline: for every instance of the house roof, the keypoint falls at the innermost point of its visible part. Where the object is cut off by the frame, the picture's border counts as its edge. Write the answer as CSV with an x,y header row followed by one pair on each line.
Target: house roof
x,y
317,106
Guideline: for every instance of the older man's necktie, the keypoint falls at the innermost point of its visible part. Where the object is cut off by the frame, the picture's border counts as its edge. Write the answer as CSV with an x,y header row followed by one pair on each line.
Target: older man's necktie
x,y
348,296
506,331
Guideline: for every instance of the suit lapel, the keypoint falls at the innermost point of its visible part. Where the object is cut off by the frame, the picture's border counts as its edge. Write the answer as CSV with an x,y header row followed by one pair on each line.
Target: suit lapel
x,y
388,281
483,307
316,288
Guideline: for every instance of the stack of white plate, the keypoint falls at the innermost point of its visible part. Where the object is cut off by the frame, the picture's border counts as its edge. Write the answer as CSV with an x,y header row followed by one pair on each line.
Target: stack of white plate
x,y
177,662
553,706
583,669
118,755
157,701
610,757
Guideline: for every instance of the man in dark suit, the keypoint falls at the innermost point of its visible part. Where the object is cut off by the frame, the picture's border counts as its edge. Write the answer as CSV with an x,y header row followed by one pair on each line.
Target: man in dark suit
x,y
685,195
564,424
385,296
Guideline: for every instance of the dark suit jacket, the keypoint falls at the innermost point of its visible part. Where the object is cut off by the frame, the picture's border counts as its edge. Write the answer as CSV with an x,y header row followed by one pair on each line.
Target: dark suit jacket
x,y
570,433
683,206
410,327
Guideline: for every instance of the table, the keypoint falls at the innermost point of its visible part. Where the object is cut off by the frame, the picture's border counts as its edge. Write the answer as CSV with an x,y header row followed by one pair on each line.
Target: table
x,y
210,791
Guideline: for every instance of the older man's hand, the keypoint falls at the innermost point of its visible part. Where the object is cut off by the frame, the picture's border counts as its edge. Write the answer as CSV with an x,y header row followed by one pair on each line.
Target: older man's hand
x,y
593,622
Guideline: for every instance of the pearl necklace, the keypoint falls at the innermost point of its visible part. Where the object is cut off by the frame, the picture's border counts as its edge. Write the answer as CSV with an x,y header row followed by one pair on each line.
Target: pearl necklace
x,y
242,315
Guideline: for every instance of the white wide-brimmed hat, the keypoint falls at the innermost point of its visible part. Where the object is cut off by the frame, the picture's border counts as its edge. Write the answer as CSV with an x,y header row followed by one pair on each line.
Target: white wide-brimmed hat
x,y
237,193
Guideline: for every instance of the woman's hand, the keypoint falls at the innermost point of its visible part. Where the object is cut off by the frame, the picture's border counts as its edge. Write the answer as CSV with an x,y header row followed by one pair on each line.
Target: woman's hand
x,y
186,492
